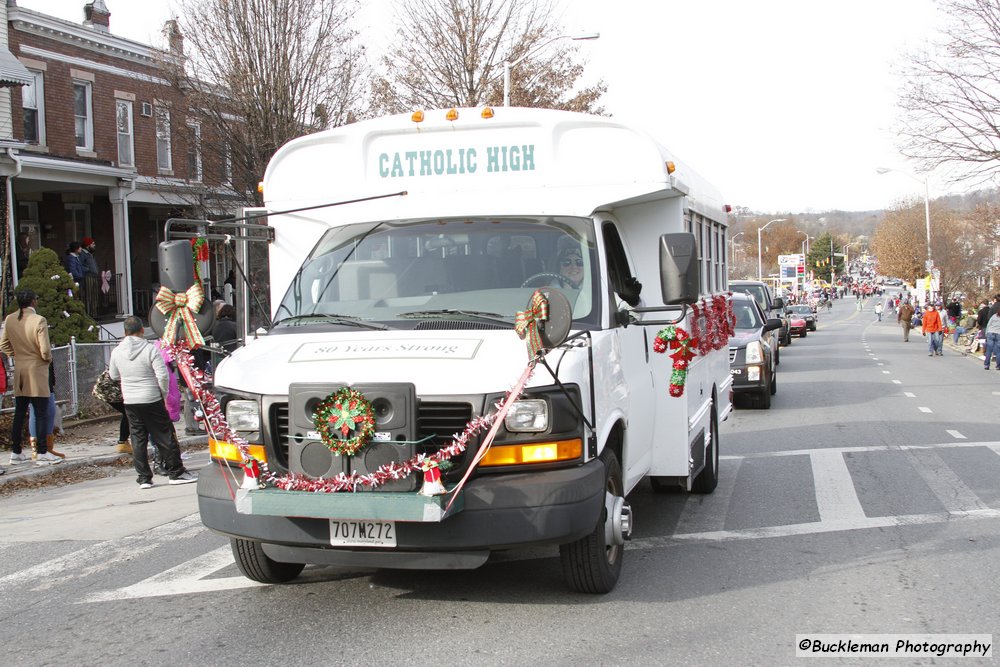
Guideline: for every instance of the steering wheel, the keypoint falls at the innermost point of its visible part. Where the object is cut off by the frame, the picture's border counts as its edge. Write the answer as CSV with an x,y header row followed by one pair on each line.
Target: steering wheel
x,y
563,280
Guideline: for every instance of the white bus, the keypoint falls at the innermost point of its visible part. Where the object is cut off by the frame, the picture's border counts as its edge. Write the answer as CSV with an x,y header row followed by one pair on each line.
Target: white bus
x,y
409,297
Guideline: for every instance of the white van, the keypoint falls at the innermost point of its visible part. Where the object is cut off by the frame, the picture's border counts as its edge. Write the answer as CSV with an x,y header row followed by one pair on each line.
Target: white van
x,y
409,296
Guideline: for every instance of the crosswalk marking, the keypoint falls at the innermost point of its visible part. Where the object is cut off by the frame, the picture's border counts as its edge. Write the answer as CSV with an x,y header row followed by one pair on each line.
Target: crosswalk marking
x,y
810,528
955,434
953,493
834,487
188,577
992,444
702,520
909,394
101,556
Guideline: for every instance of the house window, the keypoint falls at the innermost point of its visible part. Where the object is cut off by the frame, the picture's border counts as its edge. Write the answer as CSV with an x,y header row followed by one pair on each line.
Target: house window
x,y
123,122
83,115
77,224
194,151
33,101
163,162
226,178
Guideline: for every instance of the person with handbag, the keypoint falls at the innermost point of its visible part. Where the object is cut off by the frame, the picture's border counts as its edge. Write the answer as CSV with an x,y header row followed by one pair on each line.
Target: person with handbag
x,y
25,337
110,392
145,384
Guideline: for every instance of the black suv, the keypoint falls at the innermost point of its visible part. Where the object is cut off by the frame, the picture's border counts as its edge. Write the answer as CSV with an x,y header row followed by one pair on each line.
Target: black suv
x,y
751,351
773,307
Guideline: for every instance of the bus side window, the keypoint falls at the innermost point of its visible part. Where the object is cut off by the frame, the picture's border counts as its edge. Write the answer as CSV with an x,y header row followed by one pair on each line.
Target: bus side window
x,y
622,281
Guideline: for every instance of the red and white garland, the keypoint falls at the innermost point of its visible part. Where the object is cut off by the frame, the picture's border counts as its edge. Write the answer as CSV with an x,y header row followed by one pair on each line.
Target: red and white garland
x,y
713,323
219,429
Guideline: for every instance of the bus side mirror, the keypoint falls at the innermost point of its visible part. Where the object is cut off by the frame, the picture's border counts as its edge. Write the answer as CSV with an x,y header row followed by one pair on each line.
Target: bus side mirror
x,y
680,277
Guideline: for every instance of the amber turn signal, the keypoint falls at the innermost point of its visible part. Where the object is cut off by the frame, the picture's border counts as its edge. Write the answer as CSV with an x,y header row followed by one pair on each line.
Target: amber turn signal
x,y
532,453
227,451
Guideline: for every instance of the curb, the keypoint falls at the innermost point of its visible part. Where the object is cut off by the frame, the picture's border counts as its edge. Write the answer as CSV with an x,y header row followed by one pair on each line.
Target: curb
x,y
29,470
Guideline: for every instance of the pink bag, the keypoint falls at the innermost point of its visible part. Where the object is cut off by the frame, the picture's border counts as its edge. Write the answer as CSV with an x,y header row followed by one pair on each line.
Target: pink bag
x,y
173,400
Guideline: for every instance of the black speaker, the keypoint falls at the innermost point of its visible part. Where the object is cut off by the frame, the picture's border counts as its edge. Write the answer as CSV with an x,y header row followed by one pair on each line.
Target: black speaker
x,y
177,274
395,408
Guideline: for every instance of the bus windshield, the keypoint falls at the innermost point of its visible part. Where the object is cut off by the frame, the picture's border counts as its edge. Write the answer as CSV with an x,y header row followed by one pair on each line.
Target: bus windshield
x,y
397,273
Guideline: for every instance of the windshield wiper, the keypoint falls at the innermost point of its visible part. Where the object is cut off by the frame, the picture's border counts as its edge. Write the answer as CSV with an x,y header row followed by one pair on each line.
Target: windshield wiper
x,y
347,320
452,313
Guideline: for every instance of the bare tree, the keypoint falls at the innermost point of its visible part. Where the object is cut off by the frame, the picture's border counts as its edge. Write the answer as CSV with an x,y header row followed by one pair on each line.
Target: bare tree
x,y
460,58
261,72
950,99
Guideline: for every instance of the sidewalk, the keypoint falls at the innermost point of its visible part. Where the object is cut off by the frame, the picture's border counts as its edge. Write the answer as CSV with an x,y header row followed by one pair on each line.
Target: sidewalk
x,y
85,443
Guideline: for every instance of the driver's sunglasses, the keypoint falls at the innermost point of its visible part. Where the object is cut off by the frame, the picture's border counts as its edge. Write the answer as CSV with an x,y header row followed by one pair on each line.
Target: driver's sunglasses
x,y
569,262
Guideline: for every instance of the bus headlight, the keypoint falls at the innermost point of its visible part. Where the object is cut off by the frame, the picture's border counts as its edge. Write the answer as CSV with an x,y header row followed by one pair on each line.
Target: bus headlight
x,y
243,416
527,416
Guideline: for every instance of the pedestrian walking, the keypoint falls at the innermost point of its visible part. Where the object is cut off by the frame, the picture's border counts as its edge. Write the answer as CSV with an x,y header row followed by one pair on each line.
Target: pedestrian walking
x,y
145,383
931,324
993,340
905,318
878,311
25,337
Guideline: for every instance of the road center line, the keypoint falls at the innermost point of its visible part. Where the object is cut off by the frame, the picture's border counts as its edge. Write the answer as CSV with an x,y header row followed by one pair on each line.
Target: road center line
x,y
955,434
923,409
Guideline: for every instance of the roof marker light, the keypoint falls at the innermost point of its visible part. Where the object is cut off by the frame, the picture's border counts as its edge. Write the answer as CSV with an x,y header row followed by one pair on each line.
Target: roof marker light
x,y
417,117
671,167
487,112
260,187
452,114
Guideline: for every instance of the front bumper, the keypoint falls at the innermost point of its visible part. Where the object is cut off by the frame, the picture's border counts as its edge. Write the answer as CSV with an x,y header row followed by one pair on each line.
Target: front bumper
x,y
741,382
501,511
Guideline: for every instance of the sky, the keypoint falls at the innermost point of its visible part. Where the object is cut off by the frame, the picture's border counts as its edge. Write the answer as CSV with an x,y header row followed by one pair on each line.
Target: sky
x,y
785,106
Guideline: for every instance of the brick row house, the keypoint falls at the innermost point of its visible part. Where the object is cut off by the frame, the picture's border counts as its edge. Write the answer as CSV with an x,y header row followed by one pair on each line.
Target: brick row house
x,y
102,146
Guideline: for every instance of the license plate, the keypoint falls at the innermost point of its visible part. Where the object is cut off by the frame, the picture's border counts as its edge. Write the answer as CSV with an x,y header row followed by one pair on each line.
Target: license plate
x,y
344,533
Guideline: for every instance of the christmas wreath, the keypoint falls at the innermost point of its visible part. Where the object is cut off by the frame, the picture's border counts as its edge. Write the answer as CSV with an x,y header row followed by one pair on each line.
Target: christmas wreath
x,y
345,421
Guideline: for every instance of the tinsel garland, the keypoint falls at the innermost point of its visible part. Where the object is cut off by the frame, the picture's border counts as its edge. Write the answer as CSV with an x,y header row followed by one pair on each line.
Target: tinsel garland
x,y
713,323
676,338
219,429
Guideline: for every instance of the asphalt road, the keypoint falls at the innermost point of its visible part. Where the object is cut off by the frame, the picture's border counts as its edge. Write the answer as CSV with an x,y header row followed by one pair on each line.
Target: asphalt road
x,y
864,501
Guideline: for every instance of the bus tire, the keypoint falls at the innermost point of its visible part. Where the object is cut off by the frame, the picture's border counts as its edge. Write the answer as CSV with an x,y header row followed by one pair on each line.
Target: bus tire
x,y
591,565
257,566
708,478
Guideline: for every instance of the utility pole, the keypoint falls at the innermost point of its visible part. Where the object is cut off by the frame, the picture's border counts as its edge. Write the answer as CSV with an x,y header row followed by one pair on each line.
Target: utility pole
x,y
833,266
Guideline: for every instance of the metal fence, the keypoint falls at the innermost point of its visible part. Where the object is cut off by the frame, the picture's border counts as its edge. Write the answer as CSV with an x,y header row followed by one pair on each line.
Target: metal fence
x,y
77,366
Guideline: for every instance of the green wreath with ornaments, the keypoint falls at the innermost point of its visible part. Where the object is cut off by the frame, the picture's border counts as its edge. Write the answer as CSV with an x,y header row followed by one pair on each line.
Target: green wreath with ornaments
x,y
345,421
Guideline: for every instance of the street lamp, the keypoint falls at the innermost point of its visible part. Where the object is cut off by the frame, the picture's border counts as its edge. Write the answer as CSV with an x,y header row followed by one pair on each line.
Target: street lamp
x,y
732,245
805,242
847,259
760,274
927,204
508,65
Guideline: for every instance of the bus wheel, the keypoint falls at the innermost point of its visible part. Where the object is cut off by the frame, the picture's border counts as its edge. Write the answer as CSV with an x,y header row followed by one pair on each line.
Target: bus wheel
x,y
593,563
257,566
708,478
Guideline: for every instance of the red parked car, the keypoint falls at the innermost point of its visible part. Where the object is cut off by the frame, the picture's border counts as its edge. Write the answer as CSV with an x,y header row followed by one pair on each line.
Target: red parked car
x,y
797,325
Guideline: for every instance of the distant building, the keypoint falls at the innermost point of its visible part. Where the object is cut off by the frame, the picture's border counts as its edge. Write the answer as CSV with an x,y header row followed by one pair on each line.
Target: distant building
x,y
101,145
